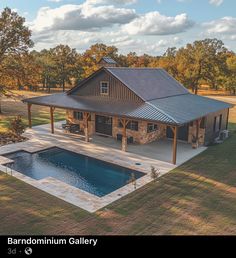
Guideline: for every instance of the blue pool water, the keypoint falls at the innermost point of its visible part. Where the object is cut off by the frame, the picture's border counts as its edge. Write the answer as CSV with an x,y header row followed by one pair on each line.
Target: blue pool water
x,y
89,174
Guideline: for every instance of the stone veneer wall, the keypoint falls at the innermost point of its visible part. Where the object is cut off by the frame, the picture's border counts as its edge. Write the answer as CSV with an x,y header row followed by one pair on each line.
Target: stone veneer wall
x,y
201,134
91,123
141,136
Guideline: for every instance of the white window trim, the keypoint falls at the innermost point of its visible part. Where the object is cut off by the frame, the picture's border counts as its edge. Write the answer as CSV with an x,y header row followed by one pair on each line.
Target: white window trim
x,y
105,94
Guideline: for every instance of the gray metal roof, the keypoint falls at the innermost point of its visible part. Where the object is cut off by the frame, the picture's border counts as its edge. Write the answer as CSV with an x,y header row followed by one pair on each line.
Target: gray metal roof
x,y
172,110
103,105
188,107
108,60
148,83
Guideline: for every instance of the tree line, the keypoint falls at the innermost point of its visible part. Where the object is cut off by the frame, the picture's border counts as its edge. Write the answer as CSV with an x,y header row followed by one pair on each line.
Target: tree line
x,y
205,61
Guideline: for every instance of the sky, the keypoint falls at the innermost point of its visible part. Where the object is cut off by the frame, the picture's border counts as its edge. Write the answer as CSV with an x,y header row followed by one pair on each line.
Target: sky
x,y
141,26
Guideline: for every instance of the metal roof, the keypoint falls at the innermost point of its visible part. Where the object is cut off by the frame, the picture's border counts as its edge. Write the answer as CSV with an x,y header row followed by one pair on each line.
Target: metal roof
x,y
176,110
188,107
148,83
108,60
102,105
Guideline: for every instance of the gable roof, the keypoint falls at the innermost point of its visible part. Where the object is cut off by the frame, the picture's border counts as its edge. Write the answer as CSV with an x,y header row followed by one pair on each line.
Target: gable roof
x,y
148,83
108,60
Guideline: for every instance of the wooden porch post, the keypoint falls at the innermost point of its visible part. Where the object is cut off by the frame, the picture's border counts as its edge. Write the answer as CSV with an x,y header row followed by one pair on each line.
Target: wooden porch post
x,y
52,118
124,135
174,155
29,115
86,130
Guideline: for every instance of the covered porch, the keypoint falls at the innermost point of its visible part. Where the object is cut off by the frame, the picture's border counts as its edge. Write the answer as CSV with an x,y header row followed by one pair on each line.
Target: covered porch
x,y
157,152
163,149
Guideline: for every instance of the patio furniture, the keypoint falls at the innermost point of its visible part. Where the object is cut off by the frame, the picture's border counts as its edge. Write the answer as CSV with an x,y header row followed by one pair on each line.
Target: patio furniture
x,y
66,126
74,128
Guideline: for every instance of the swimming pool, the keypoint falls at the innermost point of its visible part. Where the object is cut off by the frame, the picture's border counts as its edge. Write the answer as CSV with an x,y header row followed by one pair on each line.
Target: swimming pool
x,y
89,174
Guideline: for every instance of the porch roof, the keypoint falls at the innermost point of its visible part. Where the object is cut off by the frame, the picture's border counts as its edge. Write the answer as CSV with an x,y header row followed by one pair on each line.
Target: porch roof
x,y
176,110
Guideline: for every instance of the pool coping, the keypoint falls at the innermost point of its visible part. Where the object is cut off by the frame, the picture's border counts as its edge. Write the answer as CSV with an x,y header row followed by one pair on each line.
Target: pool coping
x,y
71,194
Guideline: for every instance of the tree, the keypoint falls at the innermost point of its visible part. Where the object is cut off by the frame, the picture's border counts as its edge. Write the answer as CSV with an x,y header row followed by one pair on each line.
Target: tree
x,y
64,59
47,68
230,78
200,62
92,56
168,61
14,41
14,35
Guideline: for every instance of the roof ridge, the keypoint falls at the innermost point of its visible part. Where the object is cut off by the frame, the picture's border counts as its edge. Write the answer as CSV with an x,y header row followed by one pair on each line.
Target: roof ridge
x,y
158,109
145,68
172,96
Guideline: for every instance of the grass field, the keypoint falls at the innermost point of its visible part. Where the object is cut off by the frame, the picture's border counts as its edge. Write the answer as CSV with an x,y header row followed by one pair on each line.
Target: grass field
x,y
13,107
198,197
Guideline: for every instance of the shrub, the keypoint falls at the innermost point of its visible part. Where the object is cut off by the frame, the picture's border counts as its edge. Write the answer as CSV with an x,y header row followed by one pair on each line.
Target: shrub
x,y
155,173
132,180
17,126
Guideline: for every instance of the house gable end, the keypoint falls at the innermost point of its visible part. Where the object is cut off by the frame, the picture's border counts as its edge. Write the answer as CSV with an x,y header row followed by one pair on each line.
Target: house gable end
x,y
92,87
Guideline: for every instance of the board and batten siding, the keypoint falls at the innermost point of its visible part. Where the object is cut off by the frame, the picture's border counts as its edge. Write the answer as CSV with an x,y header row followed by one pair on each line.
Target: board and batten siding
x,y
117,89
210,135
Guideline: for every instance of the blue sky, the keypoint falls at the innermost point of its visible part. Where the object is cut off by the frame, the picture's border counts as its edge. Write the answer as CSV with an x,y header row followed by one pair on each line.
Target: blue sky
x,y
144,26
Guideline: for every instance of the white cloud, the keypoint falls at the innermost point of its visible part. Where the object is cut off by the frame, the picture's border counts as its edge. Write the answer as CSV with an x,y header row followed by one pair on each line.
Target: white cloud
x,y
111,1
216,2
225,25
82,17
153,23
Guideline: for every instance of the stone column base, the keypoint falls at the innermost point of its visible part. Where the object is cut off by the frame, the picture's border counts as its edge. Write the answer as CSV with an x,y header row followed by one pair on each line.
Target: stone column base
x,y
124,143
86,134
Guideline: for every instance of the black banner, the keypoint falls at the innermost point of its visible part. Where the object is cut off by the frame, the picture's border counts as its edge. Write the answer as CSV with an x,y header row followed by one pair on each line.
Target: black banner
x,y
39,246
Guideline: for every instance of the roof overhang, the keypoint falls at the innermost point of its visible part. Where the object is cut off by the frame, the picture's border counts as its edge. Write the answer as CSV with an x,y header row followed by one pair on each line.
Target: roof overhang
x,y
177,110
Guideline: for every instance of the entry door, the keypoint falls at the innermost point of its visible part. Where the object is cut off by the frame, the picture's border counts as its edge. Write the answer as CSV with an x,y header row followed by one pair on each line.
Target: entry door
x,y
182,133
103,125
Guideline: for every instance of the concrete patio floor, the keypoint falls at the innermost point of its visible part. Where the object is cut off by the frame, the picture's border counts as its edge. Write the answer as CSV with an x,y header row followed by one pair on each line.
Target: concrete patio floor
x,y
157,154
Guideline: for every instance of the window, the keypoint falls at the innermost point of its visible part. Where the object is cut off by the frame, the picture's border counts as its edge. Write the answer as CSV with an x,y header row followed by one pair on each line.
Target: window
x,y
78,115
104,88
132,125
217,123
120,125
151,127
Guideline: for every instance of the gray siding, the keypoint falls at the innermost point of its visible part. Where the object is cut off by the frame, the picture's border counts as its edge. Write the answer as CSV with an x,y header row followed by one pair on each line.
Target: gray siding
x,y
117,89
210,135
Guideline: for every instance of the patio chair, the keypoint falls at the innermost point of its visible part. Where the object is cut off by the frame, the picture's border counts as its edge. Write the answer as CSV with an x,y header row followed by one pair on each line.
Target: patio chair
x,y
74,128
66,126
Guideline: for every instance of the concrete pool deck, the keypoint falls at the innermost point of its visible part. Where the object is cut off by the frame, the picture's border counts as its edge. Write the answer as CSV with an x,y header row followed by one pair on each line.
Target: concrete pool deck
x,y
102,148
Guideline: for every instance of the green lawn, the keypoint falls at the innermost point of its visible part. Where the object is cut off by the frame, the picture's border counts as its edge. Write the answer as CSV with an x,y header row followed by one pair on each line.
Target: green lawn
x,y
198,197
